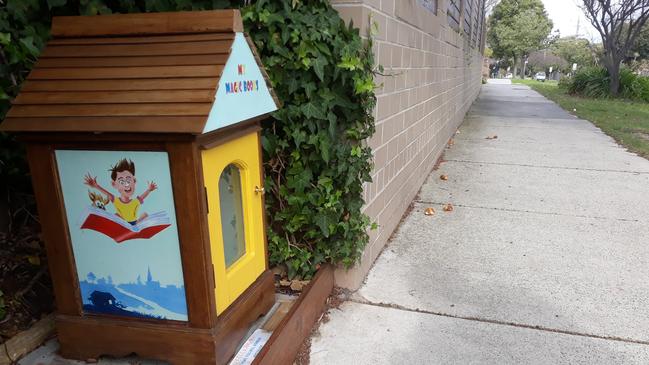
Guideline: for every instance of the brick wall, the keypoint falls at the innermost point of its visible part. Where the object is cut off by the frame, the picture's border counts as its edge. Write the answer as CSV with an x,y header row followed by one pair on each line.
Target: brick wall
x,y
435,75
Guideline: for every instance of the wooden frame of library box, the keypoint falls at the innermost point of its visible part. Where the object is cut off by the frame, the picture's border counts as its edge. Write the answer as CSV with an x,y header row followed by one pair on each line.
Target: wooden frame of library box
x,y
189,85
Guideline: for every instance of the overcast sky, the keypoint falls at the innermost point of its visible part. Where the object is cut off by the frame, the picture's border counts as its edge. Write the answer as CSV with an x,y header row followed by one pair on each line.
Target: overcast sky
x,y
564,15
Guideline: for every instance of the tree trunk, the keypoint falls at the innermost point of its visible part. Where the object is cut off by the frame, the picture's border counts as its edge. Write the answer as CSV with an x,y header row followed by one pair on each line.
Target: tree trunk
x,y
613,68
614,73
515,68
524,66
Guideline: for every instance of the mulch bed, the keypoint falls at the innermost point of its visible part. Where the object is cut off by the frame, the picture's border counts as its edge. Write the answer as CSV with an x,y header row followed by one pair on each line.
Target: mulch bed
x,y
24,281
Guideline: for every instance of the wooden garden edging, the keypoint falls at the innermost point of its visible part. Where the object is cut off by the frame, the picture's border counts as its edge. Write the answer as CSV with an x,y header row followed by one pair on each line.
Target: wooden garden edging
x,y
26,341
285,342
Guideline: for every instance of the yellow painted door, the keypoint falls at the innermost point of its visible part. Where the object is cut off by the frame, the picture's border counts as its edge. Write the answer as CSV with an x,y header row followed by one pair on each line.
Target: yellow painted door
x,y
233,183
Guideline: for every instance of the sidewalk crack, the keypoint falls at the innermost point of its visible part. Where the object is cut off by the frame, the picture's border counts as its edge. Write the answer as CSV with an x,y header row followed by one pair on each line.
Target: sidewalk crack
x,y
502,323
550,167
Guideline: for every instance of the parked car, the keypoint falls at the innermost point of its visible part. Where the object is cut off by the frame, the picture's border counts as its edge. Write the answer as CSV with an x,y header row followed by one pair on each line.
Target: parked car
x,y
540,76
509,75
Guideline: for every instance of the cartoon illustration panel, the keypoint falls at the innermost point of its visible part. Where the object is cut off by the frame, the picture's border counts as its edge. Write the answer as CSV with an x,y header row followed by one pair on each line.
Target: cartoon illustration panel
x,y
122,222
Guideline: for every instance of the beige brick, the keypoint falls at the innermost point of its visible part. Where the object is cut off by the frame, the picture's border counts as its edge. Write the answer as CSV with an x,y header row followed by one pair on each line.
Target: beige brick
x,y
375,141
393,30
385,55
404,34
396,56
380,26
396,107
387,6
389,82
376,4
407,57
383,107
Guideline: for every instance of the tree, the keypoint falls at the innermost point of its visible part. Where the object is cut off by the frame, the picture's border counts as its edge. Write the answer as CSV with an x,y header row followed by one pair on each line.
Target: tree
x,y
575,50
619,23
641,46
517,27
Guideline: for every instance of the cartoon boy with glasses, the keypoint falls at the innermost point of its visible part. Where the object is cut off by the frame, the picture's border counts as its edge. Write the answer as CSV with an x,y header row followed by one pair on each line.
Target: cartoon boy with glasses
x,y
123,180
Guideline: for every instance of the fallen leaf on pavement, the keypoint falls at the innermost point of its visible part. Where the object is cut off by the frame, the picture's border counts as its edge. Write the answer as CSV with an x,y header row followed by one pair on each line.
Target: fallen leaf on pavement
x,y
444,177
492,137
451,142
429,211
448,207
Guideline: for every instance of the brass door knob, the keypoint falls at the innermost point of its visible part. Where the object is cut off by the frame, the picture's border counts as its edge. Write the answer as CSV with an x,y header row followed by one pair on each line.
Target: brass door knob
x,y
259,190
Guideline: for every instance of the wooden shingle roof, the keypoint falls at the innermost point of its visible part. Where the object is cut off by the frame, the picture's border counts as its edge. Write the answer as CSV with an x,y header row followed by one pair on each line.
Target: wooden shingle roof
x,y
127,73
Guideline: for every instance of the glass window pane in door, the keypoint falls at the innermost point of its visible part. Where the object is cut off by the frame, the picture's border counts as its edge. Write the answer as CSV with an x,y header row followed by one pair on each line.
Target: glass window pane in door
x,y
231,204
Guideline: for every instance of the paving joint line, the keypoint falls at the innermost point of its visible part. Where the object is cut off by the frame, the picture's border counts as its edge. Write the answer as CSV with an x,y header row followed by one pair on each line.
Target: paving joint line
x,y
419,201
549,167
548,126
502,323
524,117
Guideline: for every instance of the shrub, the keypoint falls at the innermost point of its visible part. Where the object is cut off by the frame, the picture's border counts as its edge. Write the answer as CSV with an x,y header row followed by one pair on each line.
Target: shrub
x,y
591,81
633,86
565,82
594,82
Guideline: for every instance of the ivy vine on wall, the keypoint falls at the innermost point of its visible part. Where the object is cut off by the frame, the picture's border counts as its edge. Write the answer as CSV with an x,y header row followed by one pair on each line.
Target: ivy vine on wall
x,y
316,162
315,158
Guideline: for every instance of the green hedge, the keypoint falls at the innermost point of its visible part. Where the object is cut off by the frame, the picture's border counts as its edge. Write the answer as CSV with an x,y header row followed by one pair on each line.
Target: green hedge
x,y
315,160
594,82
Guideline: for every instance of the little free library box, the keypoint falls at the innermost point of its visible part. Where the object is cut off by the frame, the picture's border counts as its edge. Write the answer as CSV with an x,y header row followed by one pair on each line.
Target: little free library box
x,y
142,134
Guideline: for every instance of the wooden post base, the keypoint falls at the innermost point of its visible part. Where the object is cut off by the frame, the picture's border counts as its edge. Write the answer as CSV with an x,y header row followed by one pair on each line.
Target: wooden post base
x,y
89,337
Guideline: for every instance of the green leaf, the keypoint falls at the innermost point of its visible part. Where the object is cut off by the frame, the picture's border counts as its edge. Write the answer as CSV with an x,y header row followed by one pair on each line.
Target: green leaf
x,y
28,43
310,110
55,3
318,66
324,148
323,222
301,180
5,38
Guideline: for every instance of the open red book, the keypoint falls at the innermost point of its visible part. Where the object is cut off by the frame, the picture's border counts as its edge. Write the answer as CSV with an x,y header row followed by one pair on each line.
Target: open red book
x,y
120,230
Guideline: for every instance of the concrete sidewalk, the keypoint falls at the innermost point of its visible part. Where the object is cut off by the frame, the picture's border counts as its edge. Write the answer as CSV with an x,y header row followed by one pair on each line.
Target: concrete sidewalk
x,y
544,259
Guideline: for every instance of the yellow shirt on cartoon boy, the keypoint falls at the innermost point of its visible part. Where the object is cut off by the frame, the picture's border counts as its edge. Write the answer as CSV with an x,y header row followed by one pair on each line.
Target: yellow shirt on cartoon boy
x,y
127,211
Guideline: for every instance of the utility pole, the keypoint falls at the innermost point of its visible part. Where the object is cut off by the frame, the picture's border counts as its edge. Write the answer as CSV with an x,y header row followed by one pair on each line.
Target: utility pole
x,y
577,33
